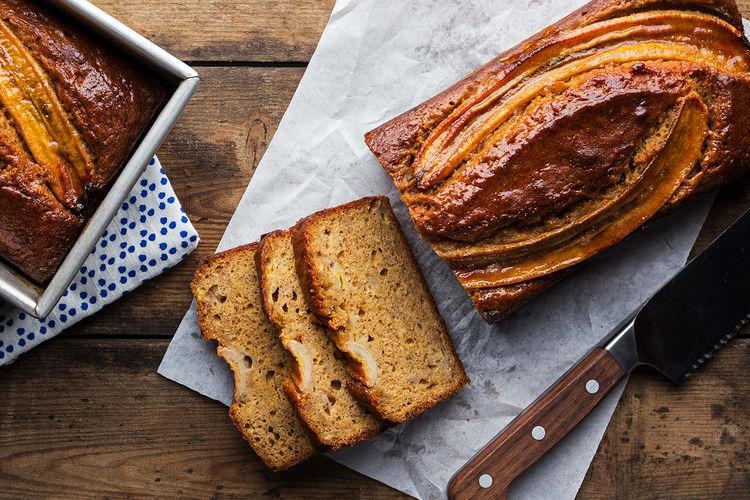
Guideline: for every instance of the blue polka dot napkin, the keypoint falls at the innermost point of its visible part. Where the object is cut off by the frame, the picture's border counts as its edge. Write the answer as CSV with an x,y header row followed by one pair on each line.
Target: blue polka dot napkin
x,y
149,235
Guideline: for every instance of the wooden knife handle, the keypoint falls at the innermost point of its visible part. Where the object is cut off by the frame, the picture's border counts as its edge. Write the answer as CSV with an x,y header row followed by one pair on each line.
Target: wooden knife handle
x,y
538,428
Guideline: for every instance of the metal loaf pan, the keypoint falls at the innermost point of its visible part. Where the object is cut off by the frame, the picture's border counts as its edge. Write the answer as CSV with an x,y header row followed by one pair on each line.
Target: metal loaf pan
x,y
183,80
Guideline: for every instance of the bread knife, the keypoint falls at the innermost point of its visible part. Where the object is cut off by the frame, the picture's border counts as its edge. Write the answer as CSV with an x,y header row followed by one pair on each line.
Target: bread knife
x,y
677,330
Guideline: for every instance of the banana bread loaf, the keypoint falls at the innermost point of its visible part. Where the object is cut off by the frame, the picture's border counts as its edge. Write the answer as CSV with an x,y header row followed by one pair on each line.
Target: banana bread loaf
x,y
570,141
72,111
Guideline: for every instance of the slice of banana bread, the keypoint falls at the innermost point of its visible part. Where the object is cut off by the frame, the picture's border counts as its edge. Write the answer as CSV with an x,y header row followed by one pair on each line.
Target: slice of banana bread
x,y
318,385
362,280
226,291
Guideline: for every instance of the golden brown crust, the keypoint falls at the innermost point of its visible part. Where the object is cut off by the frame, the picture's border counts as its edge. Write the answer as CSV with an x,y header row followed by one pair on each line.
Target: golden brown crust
x,y
35,210
293,393
565,134
261,254
99,104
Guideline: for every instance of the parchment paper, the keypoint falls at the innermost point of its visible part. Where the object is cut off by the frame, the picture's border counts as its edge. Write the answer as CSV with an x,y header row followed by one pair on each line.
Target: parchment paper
x,y
375,60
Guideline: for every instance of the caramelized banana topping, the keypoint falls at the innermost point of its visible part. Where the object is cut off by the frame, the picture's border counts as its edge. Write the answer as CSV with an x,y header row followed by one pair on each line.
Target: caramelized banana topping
x,y
28,96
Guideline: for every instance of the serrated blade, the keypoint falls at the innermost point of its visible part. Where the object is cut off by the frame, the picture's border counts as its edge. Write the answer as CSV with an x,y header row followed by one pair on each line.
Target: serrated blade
x,y
700,309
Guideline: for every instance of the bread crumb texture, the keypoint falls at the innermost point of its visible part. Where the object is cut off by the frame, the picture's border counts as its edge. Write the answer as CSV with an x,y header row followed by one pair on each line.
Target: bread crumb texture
x,y
364,283
318,383
229,311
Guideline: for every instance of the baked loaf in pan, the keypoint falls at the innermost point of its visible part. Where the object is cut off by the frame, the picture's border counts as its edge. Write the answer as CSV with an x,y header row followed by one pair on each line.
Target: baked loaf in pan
x,y
72,111
570,141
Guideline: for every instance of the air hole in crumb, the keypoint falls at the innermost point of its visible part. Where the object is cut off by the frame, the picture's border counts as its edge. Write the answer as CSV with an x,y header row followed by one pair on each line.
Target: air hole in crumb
x,y
217,317
222,298
361,312
370,338
285,308
331,400
327,232
409,341
275,295
336,384
270,374
294,295
383,271
248,362
423,381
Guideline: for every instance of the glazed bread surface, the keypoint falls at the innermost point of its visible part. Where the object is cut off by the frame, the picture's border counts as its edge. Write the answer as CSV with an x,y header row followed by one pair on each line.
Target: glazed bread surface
x,y
229,310
72,111
570,141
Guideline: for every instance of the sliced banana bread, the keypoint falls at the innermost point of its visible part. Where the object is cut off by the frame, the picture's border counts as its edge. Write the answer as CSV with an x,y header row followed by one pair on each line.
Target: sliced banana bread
x,y
318,385
361,279
226,291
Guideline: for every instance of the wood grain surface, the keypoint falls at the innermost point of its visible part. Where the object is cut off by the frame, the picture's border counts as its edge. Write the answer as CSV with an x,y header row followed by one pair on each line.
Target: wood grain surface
x,y
86,415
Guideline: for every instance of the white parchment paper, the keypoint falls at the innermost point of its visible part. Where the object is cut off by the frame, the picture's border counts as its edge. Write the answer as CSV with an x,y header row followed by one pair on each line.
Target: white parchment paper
x,y
375,60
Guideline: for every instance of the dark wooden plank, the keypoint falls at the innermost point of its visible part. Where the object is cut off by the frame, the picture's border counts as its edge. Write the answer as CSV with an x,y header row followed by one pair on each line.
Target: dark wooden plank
x,y
210,157
731,202
679,442
91,418
220,30
744,6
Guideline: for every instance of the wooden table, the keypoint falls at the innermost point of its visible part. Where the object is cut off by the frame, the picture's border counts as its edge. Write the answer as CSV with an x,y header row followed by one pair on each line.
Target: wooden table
x,y
87,415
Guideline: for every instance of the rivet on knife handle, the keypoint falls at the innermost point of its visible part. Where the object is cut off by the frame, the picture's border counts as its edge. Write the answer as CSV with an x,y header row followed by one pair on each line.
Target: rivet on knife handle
x,y
539,428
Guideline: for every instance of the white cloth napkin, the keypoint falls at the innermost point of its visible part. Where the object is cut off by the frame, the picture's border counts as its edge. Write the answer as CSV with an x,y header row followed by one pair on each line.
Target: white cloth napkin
x,y
149,235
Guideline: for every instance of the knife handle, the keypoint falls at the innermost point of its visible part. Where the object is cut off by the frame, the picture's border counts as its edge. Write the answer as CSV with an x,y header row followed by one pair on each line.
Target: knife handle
x,y
538,428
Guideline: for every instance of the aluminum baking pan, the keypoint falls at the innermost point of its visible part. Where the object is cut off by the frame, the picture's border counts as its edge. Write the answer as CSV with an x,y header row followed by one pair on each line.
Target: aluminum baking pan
x,y
182,81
